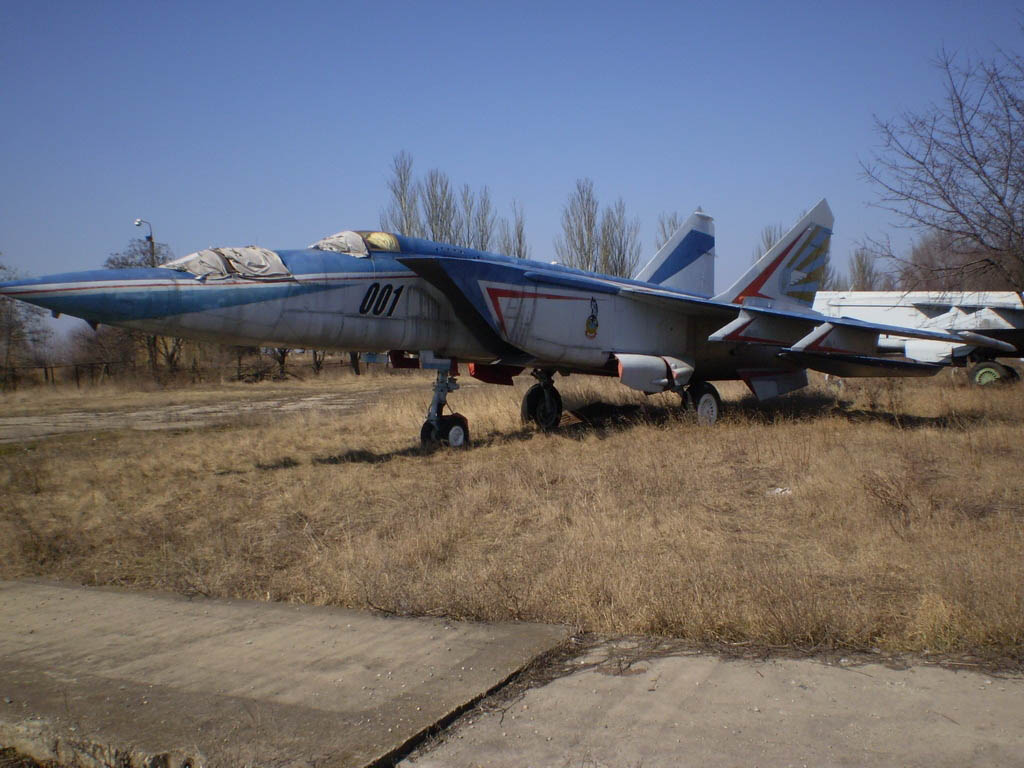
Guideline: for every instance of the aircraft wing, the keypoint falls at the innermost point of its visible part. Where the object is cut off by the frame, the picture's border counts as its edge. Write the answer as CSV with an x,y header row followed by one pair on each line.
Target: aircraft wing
x,y
777,326
844,346
456,285
841,346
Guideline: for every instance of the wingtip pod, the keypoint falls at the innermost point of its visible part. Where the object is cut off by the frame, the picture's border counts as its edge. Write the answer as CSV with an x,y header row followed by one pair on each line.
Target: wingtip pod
x,y
981,340
792,270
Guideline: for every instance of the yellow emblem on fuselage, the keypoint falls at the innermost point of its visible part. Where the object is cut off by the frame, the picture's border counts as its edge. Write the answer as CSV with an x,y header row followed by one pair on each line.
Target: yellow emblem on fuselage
x,y
591,327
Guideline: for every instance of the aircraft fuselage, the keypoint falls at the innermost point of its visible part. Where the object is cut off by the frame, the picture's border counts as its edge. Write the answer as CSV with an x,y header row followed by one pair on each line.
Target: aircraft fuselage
x,y
342,302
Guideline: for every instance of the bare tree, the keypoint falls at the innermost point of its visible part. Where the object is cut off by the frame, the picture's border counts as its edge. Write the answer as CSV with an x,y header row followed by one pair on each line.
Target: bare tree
x,y
832,279
482,234
23,332
106,344
864,273
280,355
770,235
668,223
402,214
141,252
935,264
464,217
619,246
578,245
440,211
318,360
432,208
512,237
957,168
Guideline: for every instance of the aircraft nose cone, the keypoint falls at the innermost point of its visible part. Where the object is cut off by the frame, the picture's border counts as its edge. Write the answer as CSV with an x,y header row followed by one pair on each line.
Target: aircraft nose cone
x,y
102,296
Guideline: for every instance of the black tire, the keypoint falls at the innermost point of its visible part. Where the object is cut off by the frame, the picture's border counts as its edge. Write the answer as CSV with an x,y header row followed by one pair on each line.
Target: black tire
x,y
707,405
989,372
455,431
430,437
543,406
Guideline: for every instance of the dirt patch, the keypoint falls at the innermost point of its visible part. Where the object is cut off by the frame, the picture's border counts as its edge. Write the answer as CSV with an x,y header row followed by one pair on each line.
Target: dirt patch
x,y
27,428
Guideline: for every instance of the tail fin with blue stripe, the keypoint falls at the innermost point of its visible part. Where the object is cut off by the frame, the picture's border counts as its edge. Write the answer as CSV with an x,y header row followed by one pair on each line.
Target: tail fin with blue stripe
x,y
687,261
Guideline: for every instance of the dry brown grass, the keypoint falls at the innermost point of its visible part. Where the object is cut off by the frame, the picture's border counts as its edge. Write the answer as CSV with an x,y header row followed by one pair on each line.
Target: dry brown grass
x,y
900,526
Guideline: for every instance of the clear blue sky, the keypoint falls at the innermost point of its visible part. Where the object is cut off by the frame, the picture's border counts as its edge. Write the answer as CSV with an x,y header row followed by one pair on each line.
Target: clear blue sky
x,y
275,123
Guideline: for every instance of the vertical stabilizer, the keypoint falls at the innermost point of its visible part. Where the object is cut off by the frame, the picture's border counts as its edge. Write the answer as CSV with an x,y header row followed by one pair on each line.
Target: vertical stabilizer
x,y
687,261
792,270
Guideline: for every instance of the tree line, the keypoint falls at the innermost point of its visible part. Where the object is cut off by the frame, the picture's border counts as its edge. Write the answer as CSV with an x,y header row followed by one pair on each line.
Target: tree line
x,y
433,208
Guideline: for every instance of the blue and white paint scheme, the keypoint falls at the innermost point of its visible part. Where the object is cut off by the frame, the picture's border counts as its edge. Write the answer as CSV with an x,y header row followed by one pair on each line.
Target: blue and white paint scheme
x,y
686,262
438,305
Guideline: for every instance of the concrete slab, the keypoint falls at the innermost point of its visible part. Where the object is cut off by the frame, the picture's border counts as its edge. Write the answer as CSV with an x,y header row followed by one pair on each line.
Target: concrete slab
x,y
706,711
105,677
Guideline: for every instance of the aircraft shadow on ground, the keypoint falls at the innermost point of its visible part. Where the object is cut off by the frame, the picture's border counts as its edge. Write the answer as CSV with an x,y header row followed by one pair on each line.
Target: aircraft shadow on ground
x,y
810,406
363,456
601,419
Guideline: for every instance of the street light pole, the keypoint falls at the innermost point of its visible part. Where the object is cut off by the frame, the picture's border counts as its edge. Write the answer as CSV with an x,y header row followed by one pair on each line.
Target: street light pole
x,y
151,341
149,237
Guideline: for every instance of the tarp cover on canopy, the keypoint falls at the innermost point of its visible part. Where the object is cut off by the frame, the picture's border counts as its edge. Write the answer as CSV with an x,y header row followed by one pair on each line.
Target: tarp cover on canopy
x,y
346,241
248,261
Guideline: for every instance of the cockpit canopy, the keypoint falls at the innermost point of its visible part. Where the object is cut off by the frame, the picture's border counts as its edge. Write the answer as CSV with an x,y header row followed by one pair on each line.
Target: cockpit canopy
x,y
359,243
253,262
346,241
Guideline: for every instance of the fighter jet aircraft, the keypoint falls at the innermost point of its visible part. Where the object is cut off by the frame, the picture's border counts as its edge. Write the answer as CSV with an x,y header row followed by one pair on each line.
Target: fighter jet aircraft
x,y
436,306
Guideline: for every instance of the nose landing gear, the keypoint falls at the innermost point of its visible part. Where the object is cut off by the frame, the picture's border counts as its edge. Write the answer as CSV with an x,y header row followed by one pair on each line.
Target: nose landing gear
x,y
444,429
542,404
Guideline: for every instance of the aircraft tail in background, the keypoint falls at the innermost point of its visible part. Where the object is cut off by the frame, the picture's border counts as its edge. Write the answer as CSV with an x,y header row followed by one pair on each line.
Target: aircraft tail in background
x,y
791,272
687,261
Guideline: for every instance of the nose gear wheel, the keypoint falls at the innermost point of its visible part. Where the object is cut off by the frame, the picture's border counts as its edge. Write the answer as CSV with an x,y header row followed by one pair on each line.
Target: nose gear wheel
x,y
444,429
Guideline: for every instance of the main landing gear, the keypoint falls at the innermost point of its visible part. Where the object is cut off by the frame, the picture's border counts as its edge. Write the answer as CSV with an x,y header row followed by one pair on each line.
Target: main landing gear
x,y
542,404
705,401
444,429
990,372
